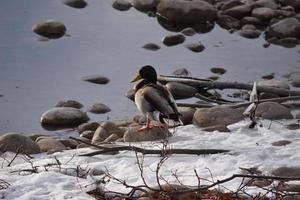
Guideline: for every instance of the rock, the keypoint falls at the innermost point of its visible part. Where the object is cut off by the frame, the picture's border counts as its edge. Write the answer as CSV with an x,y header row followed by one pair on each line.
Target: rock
x,y
238,12
293,126
218,70
140,119
88,134
289,27
189,31
264,14
230,4
133,135
280,14
1,95
220,128
252,20
187,114
248,27
274,83
69,103
105,130
268,76
63,117
295,83
76,3
151,46
13,141
281,143
99,108
294,3
145,5
172,40
227,22
273,111
98,79
287,172
35,136
249,33
51,145
91,126
112,138
265,95
286,42
195,47
70,144
50,29
291,188
187,11
180,90
265,3
121,5
181,72
220,115
130,94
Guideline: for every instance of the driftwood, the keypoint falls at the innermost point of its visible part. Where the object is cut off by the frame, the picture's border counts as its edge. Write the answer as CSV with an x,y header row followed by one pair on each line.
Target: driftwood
x,y
149,151
200,83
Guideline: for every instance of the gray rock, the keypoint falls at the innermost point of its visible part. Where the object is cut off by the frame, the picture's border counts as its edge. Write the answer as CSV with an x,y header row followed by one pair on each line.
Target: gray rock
x,y
218,70
293,126
50,29
280,14
248,27
98,79
187,114
268,76
187,11
133,135
63,117
219,115
295,83
188,31
172,40
274,83
145,5
69,103
249,33
264,14
70,144
195,47
88,134
273,111
99,108
105,130
13,141
287,172
289,27
121,5
151,46
76,3
265,3
51,145
238,12
91,126
181,72
180,90
112,138
252,20
230,4
281,143
294,3
227,22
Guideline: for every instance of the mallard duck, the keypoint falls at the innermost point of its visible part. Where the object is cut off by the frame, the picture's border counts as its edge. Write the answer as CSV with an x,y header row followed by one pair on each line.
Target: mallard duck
x,y
154,100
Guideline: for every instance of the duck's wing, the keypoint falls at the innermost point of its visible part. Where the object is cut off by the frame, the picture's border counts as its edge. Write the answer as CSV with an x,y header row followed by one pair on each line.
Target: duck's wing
x,y
161,99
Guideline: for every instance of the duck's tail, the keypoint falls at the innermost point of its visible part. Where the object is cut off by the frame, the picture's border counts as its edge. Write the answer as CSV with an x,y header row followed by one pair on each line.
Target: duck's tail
x,y
172,120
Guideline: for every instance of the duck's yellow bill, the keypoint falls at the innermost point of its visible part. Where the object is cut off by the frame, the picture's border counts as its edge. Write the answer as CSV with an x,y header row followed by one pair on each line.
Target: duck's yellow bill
x,y
138,77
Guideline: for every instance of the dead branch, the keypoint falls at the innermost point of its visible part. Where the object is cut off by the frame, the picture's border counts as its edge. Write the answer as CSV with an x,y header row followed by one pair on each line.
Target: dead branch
x,y
3,184
149,151
225,85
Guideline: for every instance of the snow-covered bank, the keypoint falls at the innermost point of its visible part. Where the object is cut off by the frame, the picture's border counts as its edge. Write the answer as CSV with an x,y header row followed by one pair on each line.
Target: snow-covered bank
x,y
249,148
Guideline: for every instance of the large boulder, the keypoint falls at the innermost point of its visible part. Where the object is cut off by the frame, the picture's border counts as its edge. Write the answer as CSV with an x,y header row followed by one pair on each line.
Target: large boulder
x,y
220,115
13,141
50,29
272,111
187,11
62,117
289,27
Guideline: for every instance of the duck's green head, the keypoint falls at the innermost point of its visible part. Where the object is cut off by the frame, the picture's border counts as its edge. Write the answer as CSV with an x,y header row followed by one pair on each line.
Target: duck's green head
x,y
147,73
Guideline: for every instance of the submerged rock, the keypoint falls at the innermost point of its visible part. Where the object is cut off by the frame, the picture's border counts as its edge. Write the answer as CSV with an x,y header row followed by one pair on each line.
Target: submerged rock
x,y
63,117
121,5
76,3
99,108
14,141
98,79
273,111
295,83
50,29
69,103
195,47
172,40
218,70
151,46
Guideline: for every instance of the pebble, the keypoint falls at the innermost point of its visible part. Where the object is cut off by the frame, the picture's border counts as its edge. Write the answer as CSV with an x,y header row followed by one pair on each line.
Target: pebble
x,y
98,79
151,46
172,40
99,108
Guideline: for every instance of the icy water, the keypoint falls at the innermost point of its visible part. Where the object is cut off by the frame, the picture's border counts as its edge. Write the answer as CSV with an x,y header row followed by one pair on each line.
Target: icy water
x,y
35,75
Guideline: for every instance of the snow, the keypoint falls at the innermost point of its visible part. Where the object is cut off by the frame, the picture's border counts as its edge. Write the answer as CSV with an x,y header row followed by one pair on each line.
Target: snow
x,y
248,148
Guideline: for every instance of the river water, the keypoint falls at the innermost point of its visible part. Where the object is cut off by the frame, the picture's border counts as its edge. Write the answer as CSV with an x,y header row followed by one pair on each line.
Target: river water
x,y
35,75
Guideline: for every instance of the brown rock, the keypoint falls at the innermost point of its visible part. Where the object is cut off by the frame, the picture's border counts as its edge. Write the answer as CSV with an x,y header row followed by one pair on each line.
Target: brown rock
x,y
287,172
88,134
250,34
97,79
105,130
264,14
273,111
92,126
76,3
293,126
151,46
295,83
50,29
227,22
99,108
112,138
188,31
181,72
121,5
195,47
180,90
133,135
281,143
238,12
218,70
187,114
173,40
51,145
69,103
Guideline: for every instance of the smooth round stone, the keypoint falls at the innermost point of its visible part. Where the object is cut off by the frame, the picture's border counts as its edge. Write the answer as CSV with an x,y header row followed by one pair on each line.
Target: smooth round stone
x,y
133,135
274,83
91,126
264,14
227,22
252,20
218,70
172,40
188,31
145,5
69,103
98,79
130,94
180,90
51,145
75,3
99,108
281,143
273,111
238,12
295,83
50,29
195,47
289,27
121,5
249,33
151,47
181,72
62,117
